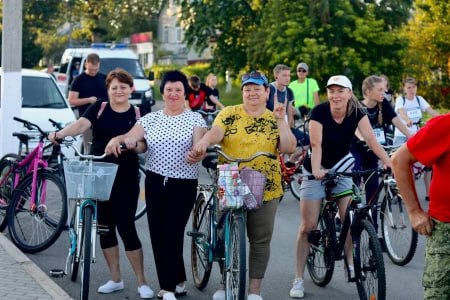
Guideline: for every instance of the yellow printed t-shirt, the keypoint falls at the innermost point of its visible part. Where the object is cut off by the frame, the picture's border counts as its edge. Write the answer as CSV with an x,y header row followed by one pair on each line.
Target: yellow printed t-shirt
x,y
244,136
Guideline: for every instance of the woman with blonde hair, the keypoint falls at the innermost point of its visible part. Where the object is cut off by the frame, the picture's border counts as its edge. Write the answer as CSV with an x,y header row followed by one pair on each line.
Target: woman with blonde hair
x,y
213,100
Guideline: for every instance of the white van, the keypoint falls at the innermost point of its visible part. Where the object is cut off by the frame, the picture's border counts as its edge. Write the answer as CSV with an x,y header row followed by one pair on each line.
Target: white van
x,y
111,56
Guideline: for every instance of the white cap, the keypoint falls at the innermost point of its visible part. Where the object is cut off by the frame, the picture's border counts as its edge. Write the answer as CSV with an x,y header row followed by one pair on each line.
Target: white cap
x,y
340,80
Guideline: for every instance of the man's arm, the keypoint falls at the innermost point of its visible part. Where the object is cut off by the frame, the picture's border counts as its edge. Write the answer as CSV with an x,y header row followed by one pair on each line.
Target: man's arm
x,y
402,161
75,101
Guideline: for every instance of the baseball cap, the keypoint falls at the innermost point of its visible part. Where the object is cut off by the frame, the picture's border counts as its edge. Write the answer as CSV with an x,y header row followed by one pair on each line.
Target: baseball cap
x,y
255,78
340,80
303,66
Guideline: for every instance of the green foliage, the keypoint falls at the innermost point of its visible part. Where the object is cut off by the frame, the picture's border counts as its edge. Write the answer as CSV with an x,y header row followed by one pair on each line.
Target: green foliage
x,y
428,56
355,38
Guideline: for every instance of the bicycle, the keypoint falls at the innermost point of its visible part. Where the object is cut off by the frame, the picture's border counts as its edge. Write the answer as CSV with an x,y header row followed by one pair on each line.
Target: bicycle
x,y
83,178
219,237
37,207
398,237
327,244
291,176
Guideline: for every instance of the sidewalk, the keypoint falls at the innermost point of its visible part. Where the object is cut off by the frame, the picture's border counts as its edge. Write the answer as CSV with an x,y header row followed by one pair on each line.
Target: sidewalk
x,y
22,279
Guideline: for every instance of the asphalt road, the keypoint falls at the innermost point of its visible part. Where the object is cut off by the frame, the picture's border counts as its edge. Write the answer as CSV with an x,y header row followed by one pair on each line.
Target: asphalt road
x,y
402,282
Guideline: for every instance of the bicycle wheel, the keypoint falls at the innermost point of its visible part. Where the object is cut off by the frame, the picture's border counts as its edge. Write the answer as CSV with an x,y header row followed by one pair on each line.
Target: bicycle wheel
x,y
141,208
6,186
369,264
320,261
201,245
295,184
85,258
35,227
235,258
399,238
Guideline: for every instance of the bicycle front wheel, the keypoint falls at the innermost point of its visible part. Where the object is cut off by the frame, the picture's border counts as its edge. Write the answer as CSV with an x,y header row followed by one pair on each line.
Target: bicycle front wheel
x,y
235,258
201,245
320,261
399,238
141,207
6,185
34,225
369,264
85,258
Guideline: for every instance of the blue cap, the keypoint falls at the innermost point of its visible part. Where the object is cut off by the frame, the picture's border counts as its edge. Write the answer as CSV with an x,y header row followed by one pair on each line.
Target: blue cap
x,y
255,78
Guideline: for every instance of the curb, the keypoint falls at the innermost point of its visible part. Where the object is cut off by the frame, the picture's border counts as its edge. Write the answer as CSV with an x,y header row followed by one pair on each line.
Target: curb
x,y
42,279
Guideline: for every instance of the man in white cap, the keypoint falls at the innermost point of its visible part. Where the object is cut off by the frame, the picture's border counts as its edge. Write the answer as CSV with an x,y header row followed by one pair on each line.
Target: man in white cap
x,y
306,90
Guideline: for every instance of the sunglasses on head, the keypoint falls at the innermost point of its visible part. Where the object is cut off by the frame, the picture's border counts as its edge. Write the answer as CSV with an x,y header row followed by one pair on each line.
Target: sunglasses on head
x,y
254,75
301,70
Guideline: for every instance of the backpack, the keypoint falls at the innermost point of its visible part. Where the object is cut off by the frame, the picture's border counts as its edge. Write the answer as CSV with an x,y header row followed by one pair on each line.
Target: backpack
x,y
103,105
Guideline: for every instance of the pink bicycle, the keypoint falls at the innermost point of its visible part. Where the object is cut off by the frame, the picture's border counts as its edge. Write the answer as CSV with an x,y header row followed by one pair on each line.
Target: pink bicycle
x,y
33,199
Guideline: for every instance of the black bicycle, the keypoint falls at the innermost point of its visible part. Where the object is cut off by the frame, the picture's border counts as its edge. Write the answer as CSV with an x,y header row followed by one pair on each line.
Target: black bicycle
x,y
327,244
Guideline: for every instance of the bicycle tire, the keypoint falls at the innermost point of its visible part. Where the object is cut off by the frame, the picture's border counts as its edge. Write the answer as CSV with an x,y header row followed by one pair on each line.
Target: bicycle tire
x,y
201,245
399,238
320,261
369,264
7,186
295,185
85,258
235,258
141,207
33,229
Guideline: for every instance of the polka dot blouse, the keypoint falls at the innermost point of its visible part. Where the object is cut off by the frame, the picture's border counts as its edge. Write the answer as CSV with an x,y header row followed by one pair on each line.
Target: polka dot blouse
x,y
168,139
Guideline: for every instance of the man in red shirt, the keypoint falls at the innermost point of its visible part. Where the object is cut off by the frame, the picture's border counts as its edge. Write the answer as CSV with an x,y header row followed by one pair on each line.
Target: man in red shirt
x,y
430,146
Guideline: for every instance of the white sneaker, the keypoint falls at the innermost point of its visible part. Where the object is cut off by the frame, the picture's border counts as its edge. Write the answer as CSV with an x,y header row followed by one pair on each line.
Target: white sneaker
x,y
111,286
254,297
298,290
219,295
145,292
169,296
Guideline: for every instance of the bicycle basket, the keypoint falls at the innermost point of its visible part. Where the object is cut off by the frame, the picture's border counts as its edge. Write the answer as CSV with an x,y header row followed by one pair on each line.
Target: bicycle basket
x,y
256,182
89,180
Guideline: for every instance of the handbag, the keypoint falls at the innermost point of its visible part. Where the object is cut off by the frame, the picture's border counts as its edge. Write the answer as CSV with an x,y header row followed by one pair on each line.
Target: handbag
x,y
256,182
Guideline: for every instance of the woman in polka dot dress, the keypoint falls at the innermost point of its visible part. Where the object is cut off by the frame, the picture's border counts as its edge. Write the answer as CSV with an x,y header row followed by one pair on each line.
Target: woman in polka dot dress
x,y
171,178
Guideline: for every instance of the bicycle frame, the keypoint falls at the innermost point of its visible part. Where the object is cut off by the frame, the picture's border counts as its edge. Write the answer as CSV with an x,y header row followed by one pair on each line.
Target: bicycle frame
x,y
76,229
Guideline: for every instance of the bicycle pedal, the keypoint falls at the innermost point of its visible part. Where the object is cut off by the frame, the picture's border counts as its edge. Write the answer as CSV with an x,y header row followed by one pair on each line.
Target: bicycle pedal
x,y
57,273
314,237
102,229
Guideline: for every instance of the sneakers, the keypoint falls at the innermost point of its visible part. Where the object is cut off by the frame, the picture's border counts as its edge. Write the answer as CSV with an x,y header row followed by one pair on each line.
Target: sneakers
x,y
169,296
179,291
219,295
145,292
254,297
110,286
298,290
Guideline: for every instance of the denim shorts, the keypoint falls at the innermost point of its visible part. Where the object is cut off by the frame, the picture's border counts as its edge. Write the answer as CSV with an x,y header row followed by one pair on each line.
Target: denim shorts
x,y
313,190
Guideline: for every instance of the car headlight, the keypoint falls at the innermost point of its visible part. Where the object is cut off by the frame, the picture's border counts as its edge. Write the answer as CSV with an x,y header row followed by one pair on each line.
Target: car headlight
x,y
148,93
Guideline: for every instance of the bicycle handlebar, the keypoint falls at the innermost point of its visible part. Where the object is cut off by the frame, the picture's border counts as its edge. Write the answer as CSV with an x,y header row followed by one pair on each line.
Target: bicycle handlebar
x,y
208,113
218,148
331,174
88,156
30,126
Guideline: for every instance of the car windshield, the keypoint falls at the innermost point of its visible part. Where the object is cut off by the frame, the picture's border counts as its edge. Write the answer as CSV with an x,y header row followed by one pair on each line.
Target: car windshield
x,y
41,92
132,66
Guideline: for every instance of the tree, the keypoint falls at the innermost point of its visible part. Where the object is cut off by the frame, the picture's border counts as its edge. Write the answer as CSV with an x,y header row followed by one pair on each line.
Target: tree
x,y
355,38
428,55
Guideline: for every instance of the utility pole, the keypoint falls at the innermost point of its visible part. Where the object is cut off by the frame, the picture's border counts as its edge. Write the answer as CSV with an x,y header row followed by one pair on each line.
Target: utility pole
x,y
11,82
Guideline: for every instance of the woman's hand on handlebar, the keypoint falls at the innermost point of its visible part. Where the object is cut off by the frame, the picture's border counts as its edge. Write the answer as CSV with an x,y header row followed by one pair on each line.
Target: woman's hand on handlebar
x,y
319,174
115,146
54,138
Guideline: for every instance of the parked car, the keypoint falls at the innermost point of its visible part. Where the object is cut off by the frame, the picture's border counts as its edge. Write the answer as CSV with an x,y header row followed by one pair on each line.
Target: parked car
x,y
41,100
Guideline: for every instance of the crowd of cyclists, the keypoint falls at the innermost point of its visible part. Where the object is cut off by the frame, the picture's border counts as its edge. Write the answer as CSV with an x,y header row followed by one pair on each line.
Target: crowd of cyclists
x,y
175,140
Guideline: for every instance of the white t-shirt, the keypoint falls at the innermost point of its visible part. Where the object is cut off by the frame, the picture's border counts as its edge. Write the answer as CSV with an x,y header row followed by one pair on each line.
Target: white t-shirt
x,y
413,108
168,140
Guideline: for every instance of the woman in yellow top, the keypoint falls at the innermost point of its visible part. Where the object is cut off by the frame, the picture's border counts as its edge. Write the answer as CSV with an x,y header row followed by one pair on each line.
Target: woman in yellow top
x,y
242,130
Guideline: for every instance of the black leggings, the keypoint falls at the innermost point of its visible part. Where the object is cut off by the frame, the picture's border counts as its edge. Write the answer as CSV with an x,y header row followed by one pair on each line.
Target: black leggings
x,y
119,213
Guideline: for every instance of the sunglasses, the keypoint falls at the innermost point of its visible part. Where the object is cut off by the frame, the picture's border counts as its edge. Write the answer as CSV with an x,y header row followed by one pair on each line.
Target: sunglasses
x,y
253,75
301,71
